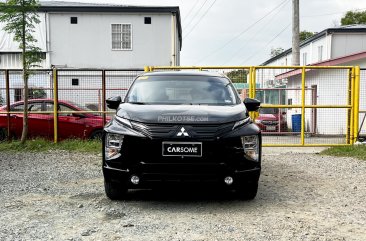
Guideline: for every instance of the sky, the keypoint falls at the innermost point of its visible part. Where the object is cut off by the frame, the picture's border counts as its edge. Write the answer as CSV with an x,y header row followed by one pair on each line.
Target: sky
x,y
242,32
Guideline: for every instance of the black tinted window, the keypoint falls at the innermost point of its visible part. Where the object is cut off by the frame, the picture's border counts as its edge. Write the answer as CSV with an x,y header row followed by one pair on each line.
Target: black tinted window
x,y
183,90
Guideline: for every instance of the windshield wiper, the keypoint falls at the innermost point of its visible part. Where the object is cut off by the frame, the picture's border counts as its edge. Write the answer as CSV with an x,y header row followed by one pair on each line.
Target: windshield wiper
x,y
137,103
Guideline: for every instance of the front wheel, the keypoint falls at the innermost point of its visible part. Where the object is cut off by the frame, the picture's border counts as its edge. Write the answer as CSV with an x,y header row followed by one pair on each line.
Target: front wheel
x,y
247,191
3,134
97,135
114,190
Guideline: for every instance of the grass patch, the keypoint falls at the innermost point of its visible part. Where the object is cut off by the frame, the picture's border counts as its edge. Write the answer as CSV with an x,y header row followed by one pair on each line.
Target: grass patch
x,y
357,151
42,145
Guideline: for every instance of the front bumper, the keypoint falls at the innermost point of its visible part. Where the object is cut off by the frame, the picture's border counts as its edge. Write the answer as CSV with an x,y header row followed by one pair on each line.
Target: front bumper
x,y
142,157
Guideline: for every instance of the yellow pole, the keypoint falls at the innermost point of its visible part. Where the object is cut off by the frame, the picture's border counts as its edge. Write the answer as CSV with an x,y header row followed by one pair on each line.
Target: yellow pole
x,y
55,105
254,82
357,102
349,102
250,81
352,104
303,106
146,68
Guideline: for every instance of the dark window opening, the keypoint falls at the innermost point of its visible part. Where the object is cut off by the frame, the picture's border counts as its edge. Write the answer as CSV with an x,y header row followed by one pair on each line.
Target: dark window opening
x,y
147,20
74,20
75,82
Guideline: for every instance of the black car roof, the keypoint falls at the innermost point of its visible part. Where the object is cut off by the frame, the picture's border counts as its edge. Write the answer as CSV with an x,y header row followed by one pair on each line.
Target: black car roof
x,y
183,73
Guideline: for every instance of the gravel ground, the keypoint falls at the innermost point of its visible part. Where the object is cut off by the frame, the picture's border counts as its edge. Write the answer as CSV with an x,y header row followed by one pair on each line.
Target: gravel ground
x,y
302,196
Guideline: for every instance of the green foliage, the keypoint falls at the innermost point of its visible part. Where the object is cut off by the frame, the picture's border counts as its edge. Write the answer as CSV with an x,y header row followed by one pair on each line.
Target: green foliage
x,y
20,18
305,35
37,93
238,76
42,145
354,17
1,100
356,151
276,51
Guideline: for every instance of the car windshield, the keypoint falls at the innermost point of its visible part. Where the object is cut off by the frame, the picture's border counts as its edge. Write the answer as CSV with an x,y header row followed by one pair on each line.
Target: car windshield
x,y
178,90
81,107
272,111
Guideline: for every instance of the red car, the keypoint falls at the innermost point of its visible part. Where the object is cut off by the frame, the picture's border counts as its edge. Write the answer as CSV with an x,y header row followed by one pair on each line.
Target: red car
x,y
77,125
271,120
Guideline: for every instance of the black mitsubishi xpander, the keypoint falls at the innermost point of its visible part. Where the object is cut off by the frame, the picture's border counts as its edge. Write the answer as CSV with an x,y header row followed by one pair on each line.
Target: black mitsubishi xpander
x,y
181,128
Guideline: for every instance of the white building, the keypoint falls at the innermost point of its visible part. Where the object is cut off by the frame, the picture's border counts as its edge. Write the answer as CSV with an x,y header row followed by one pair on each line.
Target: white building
x,y
83,35
343,46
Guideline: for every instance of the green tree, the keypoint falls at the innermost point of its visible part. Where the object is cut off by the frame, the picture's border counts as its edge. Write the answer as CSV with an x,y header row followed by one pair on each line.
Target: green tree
x,y
305,35
20,18
1,100
238,76
354,17
276,51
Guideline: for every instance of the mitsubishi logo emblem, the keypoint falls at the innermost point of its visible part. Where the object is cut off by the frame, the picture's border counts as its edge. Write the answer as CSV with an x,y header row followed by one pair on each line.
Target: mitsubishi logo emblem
x,y
182,132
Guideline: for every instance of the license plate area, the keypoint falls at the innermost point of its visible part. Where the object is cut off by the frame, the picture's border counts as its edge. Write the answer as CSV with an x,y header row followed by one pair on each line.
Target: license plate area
x,y
191,149
271,128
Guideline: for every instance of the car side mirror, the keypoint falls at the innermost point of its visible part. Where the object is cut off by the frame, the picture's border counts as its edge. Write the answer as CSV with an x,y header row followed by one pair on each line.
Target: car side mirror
x,y
114,102
252,104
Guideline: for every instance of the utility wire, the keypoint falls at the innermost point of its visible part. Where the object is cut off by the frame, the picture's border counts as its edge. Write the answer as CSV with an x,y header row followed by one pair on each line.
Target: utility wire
x,y
237,52
191,10
268,43
203,15
327,14
195,15
242,32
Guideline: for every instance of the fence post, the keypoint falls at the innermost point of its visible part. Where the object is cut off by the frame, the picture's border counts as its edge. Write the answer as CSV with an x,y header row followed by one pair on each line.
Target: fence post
x,y
350,110
55,105
356,102
7,86
104,97
303,106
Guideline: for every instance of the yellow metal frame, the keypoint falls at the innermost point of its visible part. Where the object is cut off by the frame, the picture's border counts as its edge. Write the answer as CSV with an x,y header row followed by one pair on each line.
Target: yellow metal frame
x,y
353,98
55,105
352,102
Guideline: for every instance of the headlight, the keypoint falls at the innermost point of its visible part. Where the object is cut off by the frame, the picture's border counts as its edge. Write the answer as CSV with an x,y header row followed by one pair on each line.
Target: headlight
x,y
257,121
241,122
251,147
113,145
123,121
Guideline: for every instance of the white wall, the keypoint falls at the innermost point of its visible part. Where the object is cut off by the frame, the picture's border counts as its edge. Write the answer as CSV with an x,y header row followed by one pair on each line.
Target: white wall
x,y
344,44
88,44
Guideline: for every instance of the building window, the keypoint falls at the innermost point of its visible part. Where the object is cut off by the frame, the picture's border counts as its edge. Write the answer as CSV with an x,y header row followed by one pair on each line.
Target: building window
x,y
74,20
121,36
304,59
320,53
75,82
147,20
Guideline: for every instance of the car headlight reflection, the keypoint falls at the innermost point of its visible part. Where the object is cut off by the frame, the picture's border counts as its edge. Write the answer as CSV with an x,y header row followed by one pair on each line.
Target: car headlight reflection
x,y
251,147
113,145
241,122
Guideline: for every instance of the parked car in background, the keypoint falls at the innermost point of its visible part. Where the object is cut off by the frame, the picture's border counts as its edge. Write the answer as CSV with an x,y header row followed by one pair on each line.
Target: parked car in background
x,y
70,125
272,120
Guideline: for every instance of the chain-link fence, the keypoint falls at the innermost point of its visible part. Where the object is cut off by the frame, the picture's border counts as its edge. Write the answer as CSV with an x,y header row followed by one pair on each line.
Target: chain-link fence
x,y
301,106
78,94
362,128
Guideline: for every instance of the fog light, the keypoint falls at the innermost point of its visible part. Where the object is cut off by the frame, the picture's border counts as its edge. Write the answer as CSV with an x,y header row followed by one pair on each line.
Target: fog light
x,y
228,180
135,180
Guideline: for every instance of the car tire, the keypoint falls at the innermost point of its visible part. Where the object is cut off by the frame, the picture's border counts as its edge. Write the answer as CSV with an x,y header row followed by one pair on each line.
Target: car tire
x,y
96,135
3,134
248,191
114,190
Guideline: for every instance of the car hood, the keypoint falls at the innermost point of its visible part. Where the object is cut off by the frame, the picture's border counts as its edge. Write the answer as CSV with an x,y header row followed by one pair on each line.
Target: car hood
x,y
181,113
270,117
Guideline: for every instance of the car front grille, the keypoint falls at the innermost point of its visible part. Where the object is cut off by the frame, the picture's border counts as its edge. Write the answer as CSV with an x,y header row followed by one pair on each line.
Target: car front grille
x,y
171,130
270,123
